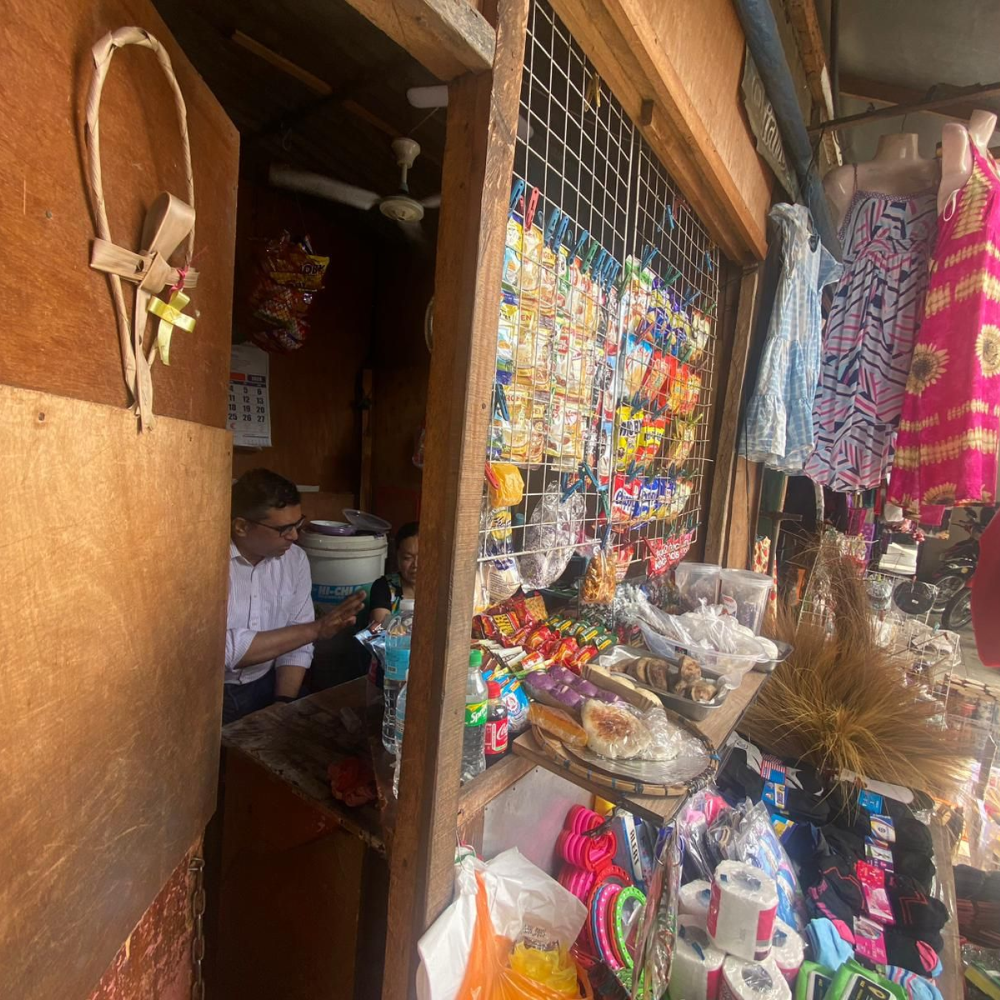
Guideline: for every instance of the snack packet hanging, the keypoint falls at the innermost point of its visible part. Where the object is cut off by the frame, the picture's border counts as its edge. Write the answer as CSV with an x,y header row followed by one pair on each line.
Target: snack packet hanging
x,y
683,436
629,425
502,577
600,580
650,437
638,355
526,438
286,278
624,494
506,338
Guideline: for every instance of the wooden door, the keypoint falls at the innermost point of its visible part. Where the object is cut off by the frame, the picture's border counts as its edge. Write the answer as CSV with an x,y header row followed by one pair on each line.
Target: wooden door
x,y
113,544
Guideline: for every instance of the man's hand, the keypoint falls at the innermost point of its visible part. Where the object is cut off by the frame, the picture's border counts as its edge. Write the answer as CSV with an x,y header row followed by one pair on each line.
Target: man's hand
x,y
343,615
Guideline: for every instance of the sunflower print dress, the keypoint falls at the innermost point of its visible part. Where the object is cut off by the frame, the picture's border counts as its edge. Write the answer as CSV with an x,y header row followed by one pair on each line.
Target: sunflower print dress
x,y
946,451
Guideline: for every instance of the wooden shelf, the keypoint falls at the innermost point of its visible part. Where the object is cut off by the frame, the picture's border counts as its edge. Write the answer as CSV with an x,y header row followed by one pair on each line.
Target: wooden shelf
x,y
656,808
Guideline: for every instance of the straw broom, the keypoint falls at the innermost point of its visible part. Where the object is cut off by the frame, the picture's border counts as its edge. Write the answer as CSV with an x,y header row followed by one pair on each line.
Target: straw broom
x,y
840,702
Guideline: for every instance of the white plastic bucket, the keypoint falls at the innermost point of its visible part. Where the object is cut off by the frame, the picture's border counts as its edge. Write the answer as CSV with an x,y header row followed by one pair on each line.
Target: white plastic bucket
x,y
342,564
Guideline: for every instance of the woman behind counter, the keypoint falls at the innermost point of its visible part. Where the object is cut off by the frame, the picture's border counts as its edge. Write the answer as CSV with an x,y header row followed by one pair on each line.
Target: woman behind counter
x,y
387,591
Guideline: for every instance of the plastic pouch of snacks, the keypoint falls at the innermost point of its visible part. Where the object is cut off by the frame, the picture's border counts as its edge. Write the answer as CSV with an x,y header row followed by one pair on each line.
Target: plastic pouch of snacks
x,y
502,577
629,425
600,580
286,279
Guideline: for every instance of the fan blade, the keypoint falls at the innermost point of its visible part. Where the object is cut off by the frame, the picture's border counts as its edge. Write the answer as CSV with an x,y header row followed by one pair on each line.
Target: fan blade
x,y
427,97
322,187
431,201
413,231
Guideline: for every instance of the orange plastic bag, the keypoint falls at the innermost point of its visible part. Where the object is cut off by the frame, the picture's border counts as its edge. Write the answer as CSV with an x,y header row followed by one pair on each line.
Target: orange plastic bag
x,y
488,976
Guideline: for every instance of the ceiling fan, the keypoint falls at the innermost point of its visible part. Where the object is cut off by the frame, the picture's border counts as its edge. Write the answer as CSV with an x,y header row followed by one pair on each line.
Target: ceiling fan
x,y
400,206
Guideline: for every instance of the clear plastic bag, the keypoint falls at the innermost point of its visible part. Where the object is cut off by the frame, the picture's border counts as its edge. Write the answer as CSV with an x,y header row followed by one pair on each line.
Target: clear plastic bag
x,y
757,844
658,932
500,571
552,529
499,905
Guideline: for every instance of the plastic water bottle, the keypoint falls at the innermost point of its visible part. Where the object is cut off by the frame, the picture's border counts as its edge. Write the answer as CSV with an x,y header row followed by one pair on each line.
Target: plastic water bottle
x,y
398,629
474,740
400,724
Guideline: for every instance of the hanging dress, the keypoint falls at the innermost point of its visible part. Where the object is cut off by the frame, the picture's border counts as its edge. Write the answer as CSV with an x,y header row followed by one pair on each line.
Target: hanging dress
x,y
779,423
869,336
946,453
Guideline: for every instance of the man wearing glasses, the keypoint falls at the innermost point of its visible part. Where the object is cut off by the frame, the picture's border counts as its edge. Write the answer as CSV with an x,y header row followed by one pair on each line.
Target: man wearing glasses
x,y
271,625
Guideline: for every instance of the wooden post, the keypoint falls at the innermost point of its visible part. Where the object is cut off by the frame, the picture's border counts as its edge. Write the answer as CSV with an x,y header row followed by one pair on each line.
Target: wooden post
x,y
479,156
727,440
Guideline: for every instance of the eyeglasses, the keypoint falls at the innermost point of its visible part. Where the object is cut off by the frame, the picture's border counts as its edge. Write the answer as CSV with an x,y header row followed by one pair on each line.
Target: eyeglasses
x,y
285,530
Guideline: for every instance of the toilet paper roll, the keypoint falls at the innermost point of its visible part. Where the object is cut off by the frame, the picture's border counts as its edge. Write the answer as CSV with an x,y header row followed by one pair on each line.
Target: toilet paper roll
x,y
787,949
742,910
696,968
694,899
752,981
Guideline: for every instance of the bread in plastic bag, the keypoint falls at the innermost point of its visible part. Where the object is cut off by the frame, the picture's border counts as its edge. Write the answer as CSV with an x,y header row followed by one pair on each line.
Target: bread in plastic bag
x,y
549,536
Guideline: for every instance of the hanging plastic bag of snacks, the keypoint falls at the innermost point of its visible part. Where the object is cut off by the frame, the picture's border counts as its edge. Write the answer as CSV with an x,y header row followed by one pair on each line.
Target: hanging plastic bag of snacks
x,y
552,530
500,568
287,277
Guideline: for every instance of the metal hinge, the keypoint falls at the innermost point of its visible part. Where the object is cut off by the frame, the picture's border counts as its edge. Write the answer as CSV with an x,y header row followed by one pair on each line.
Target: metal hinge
x,y
197,869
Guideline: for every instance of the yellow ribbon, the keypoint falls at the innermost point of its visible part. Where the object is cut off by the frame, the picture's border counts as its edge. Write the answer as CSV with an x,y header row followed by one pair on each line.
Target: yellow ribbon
x,y
171,315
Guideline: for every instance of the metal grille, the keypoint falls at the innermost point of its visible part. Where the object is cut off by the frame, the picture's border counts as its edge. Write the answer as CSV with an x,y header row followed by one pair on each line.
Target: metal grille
x,y
591,211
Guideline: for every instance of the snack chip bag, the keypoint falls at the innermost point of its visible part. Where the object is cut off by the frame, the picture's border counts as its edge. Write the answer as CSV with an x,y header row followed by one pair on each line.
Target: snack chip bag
x,y
629,425
600,580
650,438
638,355
506,338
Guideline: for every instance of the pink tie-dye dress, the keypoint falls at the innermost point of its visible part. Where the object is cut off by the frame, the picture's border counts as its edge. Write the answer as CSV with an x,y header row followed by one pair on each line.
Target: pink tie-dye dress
x,y
946,450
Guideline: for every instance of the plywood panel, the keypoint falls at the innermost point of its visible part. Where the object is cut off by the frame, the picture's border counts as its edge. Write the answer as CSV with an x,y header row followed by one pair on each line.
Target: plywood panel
x,y
155,960
55,311
114,572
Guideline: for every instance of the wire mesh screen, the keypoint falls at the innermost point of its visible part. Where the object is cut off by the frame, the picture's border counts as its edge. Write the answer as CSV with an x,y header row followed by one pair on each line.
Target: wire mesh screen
x,y
606,335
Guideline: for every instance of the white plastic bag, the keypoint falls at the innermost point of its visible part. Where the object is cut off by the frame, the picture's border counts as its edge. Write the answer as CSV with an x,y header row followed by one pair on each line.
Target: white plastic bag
x,y
525,905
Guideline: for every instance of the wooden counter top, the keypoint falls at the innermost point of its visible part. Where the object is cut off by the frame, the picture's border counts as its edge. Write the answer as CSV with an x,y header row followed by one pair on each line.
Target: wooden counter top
x,y
296,742
658,809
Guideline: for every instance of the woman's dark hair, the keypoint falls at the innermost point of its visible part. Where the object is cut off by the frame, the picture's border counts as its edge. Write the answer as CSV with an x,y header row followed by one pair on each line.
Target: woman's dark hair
x,y
258,490
408,530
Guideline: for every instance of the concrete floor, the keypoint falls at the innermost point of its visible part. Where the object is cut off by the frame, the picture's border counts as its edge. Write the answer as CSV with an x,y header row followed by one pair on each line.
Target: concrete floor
x,y
972,663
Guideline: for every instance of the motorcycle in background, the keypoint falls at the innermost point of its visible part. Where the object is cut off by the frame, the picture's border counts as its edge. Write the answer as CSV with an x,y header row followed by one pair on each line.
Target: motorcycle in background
x,y
958,561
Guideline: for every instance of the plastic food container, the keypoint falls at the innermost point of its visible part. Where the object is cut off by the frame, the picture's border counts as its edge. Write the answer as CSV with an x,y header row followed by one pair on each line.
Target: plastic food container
x,y
767,666
749,592
697,582
710,660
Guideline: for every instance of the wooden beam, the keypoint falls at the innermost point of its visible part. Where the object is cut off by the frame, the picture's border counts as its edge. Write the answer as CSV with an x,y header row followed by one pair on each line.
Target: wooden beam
x,y
895,110
809,38
310,80
727,439
865,89
621,41
448,37
479,158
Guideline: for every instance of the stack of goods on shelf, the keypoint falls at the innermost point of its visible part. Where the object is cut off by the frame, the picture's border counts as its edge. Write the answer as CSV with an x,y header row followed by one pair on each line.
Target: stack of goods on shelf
x,y
605,864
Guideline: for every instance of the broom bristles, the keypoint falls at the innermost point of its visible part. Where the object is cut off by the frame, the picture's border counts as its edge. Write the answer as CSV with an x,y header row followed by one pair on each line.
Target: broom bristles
x,y
840,702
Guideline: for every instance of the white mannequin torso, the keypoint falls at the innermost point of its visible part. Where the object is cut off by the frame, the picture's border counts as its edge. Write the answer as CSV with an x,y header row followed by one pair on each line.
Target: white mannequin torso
x,y
897,169
956,152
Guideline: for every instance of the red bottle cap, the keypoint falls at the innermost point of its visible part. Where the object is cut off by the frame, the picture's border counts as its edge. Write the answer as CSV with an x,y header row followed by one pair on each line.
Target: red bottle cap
x,y
493,690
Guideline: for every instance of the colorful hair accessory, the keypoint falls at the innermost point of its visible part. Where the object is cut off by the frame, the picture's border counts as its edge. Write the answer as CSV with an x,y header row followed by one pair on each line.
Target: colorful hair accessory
x,y
618,929
600,927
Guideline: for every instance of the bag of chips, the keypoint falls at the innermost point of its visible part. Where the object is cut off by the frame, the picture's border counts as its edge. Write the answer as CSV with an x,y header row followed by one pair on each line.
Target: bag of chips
x,y
287,277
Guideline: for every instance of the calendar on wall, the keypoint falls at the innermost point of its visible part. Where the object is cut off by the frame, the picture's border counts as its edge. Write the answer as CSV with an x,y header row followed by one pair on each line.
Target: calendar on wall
x,y
249,409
